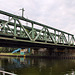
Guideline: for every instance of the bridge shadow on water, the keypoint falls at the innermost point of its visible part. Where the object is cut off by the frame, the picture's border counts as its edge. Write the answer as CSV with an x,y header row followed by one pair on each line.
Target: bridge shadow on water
x,y
37,66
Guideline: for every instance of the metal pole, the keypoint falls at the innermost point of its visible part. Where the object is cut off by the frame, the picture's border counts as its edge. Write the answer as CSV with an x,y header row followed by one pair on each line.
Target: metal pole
x,y
22,12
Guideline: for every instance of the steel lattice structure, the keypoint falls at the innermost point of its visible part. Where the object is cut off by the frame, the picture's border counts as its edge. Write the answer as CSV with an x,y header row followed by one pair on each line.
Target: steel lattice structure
x,y
33,31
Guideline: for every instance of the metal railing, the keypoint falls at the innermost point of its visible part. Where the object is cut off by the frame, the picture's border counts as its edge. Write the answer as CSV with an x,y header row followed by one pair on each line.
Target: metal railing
x,y
4,73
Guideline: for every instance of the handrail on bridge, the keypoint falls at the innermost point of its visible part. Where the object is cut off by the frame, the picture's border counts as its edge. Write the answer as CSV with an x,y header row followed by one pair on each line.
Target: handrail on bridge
x,y
4,73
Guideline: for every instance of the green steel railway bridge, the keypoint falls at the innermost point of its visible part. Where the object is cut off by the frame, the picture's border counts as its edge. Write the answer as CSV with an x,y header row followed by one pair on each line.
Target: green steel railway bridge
x,y
17,31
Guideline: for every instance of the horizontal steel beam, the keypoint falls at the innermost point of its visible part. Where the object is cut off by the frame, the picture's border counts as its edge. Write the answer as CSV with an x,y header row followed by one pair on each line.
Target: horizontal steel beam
x,y
20,42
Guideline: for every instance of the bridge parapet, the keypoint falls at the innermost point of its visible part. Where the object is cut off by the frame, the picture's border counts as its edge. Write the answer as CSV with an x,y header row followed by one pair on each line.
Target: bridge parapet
x,y
18,27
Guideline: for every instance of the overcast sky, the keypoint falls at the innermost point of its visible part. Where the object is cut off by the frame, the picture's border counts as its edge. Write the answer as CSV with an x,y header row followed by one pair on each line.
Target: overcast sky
x,y
59,14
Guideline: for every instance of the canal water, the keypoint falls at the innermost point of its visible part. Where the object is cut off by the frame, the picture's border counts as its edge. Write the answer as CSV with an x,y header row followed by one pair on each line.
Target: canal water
x,y
37,66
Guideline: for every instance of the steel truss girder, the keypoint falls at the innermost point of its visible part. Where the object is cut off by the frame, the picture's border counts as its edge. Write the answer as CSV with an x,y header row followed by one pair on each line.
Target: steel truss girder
x,y
33,34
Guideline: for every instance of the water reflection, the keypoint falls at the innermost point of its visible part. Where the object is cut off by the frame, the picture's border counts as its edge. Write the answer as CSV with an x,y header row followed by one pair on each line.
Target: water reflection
x,y
37,66
70,73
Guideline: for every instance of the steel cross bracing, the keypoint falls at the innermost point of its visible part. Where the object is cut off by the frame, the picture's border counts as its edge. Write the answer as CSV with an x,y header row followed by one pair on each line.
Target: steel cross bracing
x,y
19,27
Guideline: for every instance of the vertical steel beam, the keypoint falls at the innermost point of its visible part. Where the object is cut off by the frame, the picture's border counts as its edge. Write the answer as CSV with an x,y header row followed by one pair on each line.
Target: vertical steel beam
x,y
58,38
68,39
45,35
15,27
55,35
4,29
32,31
63,38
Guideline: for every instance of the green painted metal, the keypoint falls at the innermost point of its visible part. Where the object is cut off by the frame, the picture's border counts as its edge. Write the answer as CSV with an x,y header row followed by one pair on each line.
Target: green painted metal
x,y
32,31
22,18
55,35
15,28
44,33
